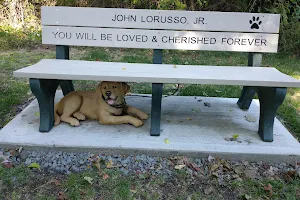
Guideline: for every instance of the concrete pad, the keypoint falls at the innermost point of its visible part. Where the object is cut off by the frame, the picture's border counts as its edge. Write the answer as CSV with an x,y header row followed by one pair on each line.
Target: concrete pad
x,y
189,126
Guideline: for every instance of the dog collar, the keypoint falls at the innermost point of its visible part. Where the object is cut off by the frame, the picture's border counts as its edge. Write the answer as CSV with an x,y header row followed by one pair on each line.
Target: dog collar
x,y
117,106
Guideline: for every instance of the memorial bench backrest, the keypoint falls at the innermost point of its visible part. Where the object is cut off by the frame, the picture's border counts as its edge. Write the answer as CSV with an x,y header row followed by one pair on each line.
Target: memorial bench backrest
x,y
160,29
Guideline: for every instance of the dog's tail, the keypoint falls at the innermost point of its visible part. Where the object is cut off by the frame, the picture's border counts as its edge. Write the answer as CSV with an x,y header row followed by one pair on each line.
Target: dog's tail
x,y
56,116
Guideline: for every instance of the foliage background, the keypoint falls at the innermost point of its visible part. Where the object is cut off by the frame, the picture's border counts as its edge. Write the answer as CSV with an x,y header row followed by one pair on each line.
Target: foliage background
x,y
20,19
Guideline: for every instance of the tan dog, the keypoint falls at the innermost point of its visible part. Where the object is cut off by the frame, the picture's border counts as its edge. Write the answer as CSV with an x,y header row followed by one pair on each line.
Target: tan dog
x,y
106,104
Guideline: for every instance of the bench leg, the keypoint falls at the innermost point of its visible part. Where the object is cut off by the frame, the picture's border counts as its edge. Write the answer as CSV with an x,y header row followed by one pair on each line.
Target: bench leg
x,y
44,90
157,89
66,86
270,99
244,102
246,97
62,52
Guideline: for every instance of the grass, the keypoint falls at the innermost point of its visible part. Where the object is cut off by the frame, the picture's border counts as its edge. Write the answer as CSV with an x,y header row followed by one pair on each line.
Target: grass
x,y
20,182
280,189
15,91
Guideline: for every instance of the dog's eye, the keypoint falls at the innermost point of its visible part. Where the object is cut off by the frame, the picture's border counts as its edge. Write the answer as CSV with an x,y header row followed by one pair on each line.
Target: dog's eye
x,y
114,87
104,87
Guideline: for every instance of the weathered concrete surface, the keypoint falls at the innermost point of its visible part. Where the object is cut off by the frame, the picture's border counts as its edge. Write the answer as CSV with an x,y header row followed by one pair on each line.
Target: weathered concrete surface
x,y
188,125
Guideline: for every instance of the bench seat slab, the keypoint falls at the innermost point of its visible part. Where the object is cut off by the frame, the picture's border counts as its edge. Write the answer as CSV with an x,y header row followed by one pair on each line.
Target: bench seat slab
x,y
157,73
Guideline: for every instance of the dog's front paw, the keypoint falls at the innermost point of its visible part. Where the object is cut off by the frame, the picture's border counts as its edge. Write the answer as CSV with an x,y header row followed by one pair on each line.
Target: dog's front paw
x,y
143,116
137,123
74,122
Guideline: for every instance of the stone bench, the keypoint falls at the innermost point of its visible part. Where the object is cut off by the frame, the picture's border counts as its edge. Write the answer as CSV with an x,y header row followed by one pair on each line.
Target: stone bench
x,y
255,33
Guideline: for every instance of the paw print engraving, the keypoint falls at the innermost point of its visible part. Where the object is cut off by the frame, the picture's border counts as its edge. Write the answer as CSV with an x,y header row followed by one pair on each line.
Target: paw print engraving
x,y
255,23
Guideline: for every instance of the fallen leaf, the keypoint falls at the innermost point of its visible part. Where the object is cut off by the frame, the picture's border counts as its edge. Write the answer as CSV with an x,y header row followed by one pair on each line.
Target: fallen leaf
x,y
208,190
210,158
238,169
235,136
20,149
35,166
175,66
8,165
133,191
226,164
266,166
124,68
167,141
105,176
55,181
214,167
298,193
292,174
95,160
97,165
215,174
193,166
61,196
179,166
228,139
141,176
109,164
246,196
179,160
13,152
196,110
174,158
199,100
3,157
88,179
269,188
189,118
287,178
250,118
235,176
207,104
37,114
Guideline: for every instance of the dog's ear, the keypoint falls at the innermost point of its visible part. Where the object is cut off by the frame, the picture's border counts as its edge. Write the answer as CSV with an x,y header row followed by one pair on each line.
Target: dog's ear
x,y
125,88
99,89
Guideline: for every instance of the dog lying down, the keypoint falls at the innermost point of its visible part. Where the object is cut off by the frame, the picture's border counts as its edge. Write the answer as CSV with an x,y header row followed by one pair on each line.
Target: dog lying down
x,y
106,104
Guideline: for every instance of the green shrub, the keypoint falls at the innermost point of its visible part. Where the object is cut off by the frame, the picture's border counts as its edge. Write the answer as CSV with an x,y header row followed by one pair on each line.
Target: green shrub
x,y
27,23
11,38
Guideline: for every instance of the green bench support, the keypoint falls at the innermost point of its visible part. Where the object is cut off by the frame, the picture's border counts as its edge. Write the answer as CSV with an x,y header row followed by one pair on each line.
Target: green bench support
x,y
157,89
44,90
62,52
248,93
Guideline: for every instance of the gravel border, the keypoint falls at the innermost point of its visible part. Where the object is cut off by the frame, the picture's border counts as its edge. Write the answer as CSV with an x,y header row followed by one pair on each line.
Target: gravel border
x,y
72,162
